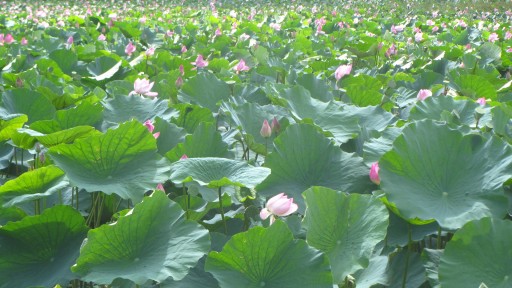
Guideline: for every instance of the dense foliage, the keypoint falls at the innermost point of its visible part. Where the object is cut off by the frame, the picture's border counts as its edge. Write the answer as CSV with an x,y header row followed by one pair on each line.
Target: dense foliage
x,y
255,144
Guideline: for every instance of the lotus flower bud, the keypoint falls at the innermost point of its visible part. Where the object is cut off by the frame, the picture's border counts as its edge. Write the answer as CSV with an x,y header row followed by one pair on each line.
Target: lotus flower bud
x,y
374,173
266,130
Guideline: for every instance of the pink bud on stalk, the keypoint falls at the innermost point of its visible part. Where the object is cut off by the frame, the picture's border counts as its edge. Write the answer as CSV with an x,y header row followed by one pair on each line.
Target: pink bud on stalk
x,y
481,101
276,127
266,130
279,205
374,173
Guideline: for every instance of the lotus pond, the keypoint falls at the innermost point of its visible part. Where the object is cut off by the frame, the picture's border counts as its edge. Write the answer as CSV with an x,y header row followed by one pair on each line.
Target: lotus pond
x,y
255,144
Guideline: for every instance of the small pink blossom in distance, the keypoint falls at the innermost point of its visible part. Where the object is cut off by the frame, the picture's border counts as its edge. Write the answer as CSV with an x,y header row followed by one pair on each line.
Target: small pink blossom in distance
x,y
156,135
508,35
418,37
160,187
184,157
374,173
279,205
430,22
102,37
424,94
183,49
143,87
142,19
130,48
200,62
481,101
24,41
275,26
150,52
509,50
244,37
341,71
493,37
391,51
169,33
266,130
8,39
2,37
218,32
182,70
435,29
241,66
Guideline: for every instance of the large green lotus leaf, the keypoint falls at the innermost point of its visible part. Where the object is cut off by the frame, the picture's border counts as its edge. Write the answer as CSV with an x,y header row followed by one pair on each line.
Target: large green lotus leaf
x,y
269,257
474,86
9,124
190,116
370,117
431,259
217,172
196,278
434,172
32,185
170,135
363,90
59,137
11,214
125,108
489,53
416,276
103,68
85,114
205,90
345,227
433,108
66,59
249,118
39,250
480,252
398,231
152,242
374,148
330,116
424,80
205,142
31,103
374,274
303,157
316,86
123,161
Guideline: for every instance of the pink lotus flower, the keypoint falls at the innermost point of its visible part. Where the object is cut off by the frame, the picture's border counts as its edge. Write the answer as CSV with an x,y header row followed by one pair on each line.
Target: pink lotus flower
x,y
266,130
8,39
150,51
130,48
160,187
241,66
142,19
435,29
509,50
149,125
183,49
374,173
418,37
143,87
24,41
183,157
169,33
430,22
508,35
102,37
493,37
200,62
424,94
342,71
218,32
182,70
391,50
275,26
179,82
279,205
276,127
481,101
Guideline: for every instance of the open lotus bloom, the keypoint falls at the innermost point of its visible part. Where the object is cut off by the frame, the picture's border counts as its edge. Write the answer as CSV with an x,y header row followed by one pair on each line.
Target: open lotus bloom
x,y
130,48
143,87
279,205
424,94
200,62
342,71
241,66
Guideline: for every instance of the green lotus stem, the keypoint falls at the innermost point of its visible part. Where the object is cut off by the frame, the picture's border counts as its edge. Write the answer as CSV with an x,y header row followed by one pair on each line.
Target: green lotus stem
x,y
439,242
409,250
100,210
222,210
266,146
188,201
